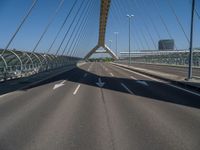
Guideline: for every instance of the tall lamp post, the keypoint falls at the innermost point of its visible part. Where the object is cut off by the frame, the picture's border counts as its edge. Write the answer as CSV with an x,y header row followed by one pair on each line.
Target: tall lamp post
x,y
116,38
129,17
191,42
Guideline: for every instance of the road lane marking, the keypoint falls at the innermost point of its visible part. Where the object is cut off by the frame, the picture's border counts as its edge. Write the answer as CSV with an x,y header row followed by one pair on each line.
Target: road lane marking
x,y
133,78
89,67
100,83
154,79
191,92
63,81
111,74
59,85
126,88
139,74
104,67
142,82
76,90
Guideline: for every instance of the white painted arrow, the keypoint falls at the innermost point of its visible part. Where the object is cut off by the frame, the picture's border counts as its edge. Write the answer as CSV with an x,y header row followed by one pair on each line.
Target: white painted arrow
x,y
142,82
59,85
100,83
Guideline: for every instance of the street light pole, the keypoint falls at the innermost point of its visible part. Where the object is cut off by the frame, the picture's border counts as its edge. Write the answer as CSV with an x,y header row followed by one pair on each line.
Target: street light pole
x,y
116,34
129,17
191,42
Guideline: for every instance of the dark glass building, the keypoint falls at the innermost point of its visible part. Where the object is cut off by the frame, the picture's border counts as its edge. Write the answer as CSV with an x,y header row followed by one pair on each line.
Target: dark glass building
x,y
167,44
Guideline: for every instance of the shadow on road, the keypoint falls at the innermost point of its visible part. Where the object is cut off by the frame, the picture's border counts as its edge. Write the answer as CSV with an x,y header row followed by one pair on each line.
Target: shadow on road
x,y
155,90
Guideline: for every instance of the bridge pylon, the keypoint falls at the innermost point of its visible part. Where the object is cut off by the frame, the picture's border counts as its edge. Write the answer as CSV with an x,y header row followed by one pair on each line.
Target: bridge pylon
x,y
105,47
105,7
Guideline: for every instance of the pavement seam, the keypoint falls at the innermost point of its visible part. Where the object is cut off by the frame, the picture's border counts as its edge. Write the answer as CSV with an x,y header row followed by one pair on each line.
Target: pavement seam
x,y
107,115
108,120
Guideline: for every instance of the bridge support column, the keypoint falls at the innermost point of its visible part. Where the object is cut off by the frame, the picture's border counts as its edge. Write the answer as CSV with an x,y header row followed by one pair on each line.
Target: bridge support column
x,y
105,6
105,47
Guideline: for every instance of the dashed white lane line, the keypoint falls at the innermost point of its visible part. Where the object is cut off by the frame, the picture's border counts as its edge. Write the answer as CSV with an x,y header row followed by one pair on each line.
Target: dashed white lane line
x,y
104,67
126,88
89,67
154,79
142,82
76,90
133,78
139,81
112,74
140,74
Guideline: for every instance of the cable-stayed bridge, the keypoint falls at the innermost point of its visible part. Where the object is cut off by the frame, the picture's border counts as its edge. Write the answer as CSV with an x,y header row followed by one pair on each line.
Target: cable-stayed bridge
x,y
99,74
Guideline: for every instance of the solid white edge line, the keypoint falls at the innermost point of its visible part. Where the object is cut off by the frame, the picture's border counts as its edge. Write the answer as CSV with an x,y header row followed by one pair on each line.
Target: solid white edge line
x,y
76,90
126,88
174,86
191,92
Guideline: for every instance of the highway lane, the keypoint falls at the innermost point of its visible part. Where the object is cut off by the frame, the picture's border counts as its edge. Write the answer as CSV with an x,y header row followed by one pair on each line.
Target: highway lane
x,y
151,119
180,71
16,84
78,124
81,115
24,112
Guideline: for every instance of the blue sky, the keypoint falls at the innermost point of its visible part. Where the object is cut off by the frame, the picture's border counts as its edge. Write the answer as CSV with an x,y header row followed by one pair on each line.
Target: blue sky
x,y
142,13
12,11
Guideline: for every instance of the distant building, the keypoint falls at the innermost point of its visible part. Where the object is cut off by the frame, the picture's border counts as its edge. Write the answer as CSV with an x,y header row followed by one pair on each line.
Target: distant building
x,y
167,44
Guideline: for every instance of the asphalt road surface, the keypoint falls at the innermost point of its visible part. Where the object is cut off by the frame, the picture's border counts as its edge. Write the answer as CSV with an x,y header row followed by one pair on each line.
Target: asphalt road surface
x,y
180,71
99,106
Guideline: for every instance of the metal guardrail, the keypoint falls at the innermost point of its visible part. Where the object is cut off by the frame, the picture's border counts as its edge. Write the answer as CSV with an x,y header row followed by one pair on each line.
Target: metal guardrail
x,y
14,72
170,59
17,64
